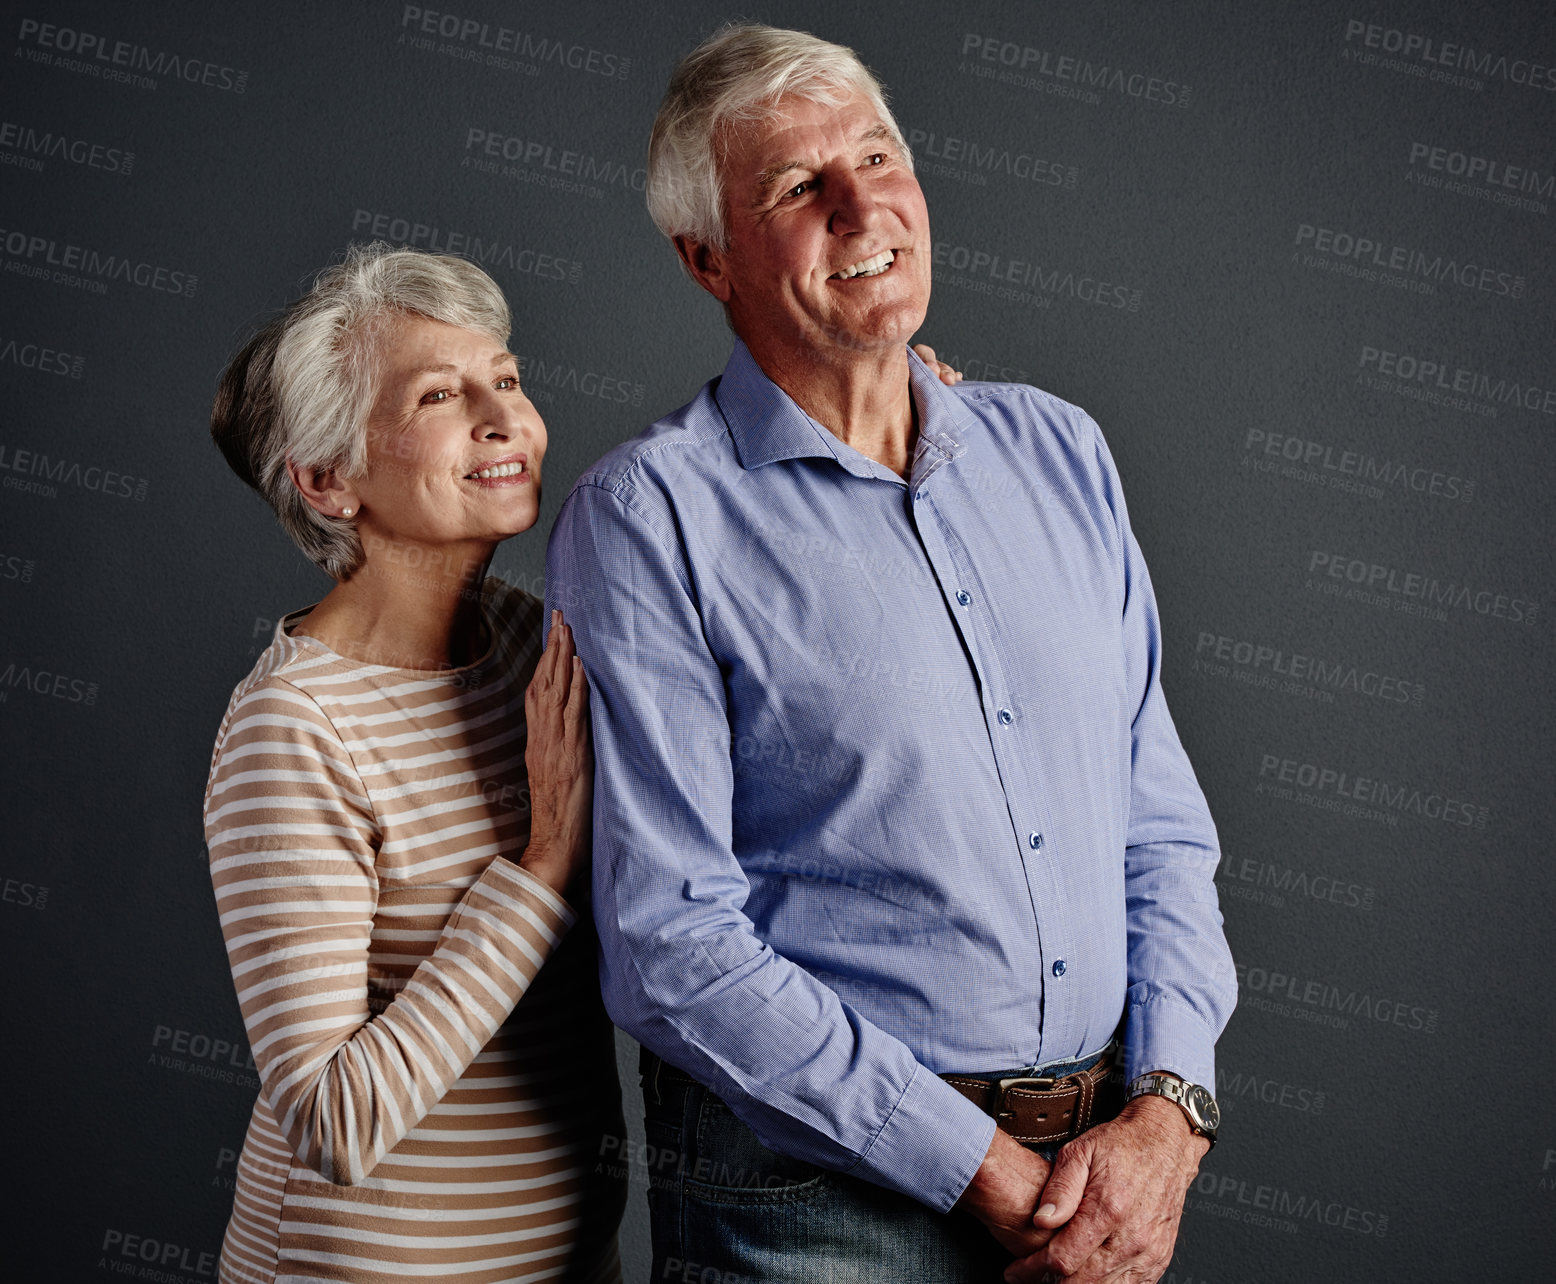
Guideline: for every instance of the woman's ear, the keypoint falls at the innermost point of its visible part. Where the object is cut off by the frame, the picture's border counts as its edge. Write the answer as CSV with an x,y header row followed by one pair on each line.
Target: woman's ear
x,y
324,489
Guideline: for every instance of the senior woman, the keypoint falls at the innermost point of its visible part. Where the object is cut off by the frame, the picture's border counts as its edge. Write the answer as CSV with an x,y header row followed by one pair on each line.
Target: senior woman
x,y
398,829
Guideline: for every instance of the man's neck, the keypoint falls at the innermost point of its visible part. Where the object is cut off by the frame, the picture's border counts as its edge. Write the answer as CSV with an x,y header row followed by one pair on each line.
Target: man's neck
x,y
863,399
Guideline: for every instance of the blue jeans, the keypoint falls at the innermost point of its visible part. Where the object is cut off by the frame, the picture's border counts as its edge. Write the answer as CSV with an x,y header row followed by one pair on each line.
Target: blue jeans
x,y
724,1209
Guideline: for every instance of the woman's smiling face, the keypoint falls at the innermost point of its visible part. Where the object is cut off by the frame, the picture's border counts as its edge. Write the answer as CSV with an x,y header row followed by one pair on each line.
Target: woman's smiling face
x,y
453,444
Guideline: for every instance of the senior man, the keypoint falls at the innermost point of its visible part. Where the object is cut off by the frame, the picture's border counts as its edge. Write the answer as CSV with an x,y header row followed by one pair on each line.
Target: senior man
x,y
890,812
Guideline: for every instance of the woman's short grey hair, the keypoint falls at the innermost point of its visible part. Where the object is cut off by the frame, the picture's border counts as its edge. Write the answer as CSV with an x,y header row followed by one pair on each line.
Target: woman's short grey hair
x,y
302,388
737,75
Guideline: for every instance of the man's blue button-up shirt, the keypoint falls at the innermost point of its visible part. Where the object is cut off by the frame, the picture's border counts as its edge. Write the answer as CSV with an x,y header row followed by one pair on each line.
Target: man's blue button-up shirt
x,y
886,785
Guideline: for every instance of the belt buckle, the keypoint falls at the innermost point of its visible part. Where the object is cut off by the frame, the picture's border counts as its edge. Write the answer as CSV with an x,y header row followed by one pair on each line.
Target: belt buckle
x,y
1044,1083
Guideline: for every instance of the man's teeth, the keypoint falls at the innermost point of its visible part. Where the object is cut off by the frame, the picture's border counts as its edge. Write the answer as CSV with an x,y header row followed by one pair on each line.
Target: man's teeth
x,y
499,470
870,267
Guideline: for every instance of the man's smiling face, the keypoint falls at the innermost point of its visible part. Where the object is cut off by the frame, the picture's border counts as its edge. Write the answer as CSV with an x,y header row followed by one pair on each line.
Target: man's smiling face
x,y
828,233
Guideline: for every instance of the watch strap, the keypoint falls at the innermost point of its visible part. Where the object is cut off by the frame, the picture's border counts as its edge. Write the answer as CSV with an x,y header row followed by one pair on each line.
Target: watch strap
x,y
1176,1091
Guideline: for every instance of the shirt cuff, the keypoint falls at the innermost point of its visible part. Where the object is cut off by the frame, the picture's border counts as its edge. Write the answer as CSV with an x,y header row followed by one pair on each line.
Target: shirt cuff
x,y
930,1145
1164,1034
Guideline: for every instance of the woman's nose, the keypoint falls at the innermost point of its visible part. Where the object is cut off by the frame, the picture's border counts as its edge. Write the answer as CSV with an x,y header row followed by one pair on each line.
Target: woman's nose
x,y
497,417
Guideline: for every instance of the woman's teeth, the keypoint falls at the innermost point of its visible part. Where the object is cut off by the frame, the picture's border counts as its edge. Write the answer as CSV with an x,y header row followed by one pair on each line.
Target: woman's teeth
x,y
498,470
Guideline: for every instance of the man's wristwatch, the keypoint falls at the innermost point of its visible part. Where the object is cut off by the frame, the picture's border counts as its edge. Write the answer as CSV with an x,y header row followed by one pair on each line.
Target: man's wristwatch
x,y
1195,1102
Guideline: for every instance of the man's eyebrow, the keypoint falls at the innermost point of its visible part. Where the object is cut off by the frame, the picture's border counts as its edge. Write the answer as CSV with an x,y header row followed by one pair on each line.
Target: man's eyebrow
x,y
768,178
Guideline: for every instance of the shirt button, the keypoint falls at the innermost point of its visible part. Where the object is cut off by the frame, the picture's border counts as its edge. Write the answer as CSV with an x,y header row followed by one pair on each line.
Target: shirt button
x,y
1058,967
1036,839
964,597
1006,717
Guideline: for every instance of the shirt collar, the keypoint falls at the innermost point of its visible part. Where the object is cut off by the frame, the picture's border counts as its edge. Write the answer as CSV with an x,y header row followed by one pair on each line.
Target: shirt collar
x,y
767,425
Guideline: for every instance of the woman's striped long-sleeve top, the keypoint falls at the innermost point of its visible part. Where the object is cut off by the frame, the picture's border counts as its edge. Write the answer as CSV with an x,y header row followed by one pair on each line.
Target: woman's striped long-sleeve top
x,y
438,1078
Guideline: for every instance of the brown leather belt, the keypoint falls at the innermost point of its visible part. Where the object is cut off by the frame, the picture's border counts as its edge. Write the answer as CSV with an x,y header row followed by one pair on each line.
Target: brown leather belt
x,y
1044,1111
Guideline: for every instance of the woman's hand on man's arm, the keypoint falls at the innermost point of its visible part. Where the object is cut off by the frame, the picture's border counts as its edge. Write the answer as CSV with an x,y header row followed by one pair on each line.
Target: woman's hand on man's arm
x,y
560,764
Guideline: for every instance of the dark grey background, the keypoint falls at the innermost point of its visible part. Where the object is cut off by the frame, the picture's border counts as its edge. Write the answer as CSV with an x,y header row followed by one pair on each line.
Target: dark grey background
x,y
1382,1080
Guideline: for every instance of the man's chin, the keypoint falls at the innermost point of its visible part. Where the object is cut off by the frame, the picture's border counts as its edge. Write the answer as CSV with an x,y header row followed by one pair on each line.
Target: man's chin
x,y
879,339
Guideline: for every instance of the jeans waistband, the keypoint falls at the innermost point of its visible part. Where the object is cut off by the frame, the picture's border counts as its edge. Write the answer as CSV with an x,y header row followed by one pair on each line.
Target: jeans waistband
x,y
1046,1069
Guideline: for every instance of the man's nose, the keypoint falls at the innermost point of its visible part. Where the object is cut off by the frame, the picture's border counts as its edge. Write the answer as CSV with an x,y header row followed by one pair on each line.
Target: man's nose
x,y
855,205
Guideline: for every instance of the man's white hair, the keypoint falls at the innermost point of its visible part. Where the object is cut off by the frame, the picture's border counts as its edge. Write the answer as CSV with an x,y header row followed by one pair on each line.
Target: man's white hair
x,y
737,75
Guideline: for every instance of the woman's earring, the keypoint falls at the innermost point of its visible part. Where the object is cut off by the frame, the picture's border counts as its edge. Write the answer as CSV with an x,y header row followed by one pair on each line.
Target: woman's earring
x,y
346,512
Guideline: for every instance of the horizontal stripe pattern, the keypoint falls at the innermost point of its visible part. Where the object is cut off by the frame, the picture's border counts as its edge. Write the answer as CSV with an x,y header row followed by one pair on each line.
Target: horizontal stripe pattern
x,y
416,1120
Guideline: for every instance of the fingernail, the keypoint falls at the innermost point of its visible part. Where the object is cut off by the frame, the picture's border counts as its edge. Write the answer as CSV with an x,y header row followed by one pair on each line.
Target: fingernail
x,y
1048,1210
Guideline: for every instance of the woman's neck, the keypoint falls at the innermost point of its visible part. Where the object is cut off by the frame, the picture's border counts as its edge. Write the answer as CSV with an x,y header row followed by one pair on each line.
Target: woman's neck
x,y
421,617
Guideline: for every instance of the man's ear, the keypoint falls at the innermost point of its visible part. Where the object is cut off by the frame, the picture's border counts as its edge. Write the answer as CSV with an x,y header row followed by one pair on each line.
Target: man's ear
x,y
706,266
325,490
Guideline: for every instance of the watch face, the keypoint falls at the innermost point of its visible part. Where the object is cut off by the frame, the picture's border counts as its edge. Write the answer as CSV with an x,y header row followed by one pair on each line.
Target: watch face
x,y
1203,1107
